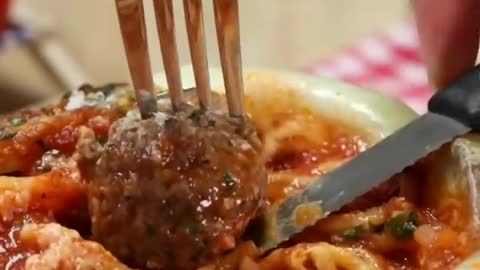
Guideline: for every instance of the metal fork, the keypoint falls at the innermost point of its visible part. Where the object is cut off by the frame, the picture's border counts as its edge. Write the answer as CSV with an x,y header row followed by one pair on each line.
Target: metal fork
x,y
132,25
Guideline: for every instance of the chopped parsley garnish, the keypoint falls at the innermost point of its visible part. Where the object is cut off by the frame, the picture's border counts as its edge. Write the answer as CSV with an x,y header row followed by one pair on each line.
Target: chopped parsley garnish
x,y
229,181
16,122
196,116
355,233
403,225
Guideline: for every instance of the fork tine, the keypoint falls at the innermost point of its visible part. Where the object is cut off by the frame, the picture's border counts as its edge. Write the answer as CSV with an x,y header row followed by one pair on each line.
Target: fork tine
x,y
133,29
168,45
198,51
228,35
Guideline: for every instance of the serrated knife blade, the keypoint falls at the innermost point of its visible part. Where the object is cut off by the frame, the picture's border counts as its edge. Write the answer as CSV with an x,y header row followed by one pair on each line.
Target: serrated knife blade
x,y
370,168
452,112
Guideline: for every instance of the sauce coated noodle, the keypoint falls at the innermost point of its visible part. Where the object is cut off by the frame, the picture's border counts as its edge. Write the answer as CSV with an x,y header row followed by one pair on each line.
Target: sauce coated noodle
x,y
381,230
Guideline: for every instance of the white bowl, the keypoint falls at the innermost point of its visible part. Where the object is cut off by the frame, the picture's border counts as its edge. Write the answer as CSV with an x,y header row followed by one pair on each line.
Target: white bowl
x,y
375,114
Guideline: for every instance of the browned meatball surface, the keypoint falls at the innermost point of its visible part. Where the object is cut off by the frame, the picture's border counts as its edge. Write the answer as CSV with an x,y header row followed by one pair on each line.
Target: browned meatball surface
x,y
174,192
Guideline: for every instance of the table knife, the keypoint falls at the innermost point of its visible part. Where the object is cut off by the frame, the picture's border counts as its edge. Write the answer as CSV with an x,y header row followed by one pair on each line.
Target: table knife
x,y
452,112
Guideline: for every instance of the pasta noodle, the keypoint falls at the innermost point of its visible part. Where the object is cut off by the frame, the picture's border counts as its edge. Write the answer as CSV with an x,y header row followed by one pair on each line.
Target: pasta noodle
x,y
389,228
65,249
315,256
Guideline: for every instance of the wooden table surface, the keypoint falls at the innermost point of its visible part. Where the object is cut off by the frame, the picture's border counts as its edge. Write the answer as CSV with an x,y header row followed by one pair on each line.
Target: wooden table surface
x,y
284,34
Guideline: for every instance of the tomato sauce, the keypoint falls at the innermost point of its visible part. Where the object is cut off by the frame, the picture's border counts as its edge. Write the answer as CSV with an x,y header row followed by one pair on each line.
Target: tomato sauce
x,y
14,252
65,138
439,240
58,132
306,161
298,156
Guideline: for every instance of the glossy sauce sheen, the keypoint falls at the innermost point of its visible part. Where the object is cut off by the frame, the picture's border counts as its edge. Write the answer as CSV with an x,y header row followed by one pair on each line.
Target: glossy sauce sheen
x,y
311,146
440,240
445,248
307,161
59,132
192,179
14,252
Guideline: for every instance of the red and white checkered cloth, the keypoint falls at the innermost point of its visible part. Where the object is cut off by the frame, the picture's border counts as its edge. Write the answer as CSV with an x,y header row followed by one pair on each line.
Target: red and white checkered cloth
x,y
389,62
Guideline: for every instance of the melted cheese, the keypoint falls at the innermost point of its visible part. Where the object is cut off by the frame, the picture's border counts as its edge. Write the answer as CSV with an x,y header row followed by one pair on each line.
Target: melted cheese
x,y
64,249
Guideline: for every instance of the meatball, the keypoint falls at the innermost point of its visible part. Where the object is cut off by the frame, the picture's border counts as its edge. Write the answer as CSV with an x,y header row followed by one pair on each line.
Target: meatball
x,y
176,191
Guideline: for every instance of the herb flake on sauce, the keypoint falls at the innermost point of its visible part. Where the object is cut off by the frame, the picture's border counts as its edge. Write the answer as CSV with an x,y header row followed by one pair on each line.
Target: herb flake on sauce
x,y
403,225
354,233
16,122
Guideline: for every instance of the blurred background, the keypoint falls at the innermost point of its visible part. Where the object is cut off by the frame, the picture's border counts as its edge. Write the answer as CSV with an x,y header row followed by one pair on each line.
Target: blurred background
x,y
50,46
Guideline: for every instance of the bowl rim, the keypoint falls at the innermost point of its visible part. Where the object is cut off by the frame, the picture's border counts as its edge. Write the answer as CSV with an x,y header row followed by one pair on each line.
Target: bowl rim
x,y
386,114
381,114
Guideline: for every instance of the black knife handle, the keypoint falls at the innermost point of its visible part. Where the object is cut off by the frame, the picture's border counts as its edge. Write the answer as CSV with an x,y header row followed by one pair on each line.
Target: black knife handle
x,y
460,100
